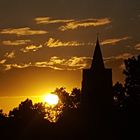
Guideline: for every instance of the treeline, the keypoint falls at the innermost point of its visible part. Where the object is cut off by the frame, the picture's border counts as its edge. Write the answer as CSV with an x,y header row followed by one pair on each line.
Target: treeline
x,y
38,121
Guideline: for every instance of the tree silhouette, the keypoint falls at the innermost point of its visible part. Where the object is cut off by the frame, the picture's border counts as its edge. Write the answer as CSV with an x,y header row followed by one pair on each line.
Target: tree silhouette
x,y
2,115
128,96
119,95
69,100
132,90
132,80
26,111
127,100
76,97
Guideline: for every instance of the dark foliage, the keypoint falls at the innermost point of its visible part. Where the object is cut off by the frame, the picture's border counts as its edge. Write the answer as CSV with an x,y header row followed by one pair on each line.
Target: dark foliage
x,y
69,100
127,100
119,96
26,111
128,95
132,80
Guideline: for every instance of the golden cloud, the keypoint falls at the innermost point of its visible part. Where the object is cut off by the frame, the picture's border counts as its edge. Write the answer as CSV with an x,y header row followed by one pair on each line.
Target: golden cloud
x,y
53,61
46,65
72,63
57,43
19,66
23,31
3,61
56,60
55,68
76,62
41,64
114,40
16,42
85,23
10,55
121,56
31,48
56,63
137,46
49,20
124,56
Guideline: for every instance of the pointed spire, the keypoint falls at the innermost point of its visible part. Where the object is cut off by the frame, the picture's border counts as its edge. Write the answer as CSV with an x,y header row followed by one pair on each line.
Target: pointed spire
x,y
97,62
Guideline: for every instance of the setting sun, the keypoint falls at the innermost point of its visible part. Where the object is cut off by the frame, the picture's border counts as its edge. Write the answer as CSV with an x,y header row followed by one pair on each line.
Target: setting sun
x,y
51,99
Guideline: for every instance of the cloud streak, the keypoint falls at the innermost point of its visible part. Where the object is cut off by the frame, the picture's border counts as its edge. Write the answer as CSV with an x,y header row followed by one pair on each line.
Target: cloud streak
x,y
71,24
3,61
85,23
29,48
22,31
19,66
122,56
73,63
114,40
15,42
10,55
56,63
76,62
46,65
49,20
52,43
137,46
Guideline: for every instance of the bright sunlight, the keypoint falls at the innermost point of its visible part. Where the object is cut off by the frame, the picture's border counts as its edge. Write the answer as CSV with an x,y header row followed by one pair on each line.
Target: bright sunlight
x,y
51,99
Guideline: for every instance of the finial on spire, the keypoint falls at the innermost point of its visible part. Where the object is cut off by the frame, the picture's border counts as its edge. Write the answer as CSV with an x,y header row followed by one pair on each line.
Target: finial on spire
x,y
97,41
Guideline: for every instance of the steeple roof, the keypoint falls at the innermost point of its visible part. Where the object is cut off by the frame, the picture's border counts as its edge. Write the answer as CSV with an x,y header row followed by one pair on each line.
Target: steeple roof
x,y
97,62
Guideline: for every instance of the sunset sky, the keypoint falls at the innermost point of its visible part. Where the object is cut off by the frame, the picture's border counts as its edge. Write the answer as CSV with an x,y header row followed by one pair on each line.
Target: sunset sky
x,y
45,44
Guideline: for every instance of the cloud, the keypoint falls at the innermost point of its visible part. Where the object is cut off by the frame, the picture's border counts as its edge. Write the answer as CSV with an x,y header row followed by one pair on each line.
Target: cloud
x,y
19,66
31,48
56,63
15,42
56,60
84,23
114,40
76,62
41,64
3,61
10,55
122,56
73,63
53,61
49,20
137,46
46,65
57,43
23,31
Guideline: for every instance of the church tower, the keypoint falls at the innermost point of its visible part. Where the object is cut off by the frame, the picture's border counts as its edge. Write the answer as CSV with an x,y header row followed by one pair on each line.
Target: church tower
x,y
97,88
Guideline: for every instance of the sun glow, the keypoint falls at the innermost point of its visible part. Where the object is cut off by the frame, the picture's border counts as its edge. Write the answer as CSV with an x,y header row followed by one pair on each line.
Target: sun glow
x,y
51,99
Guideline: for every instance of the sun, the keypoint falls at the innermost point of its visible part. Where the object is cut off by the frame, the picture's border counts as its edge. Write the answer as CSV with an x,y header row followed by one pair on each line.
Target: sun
x,y
51,99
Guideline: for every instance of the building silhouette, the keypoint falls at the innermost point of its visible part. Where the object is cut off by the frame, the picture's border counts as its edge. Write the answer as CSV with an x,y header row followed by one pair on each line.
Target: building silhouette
x,y
97,94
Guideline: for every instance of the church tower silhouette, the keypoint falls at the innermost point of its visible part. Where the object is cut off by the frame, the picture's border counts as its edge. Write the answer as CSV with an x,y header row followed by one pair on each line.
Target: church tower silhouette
x,y
97,89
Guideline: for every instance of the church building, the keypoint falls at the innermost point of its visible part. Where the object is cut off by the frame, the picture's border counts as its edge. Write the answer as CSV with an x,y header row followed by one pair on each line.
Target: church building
x,y
97,88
